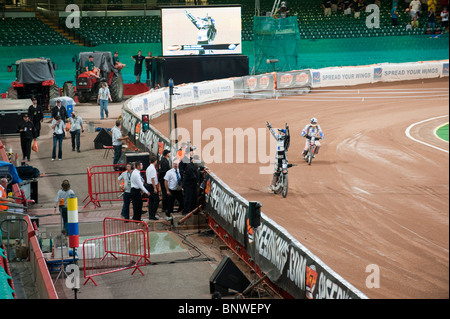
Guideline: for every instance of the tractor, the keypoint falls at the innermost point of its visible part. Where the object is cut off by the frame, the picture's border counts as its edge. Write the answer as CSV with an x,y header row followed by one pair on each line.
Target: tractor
x,y
87,85
34,77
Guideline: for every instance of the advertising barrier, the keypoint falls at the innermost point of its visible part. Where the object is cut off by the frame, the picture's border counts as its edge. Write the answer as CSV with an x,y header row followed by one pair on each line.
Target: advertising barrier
x,y
384,72
289,265
286,262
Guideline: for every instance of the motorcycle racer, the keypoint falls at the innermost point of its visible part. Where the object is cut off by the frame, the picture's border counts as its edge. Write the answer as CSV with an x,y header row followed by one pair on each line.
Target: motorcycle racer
x,y
310,130
283,142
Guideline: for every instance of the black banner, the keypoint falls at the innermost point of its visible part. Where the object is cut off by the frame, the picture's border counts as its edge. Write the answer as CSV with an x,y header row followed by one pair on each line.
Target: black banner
x,y
287,263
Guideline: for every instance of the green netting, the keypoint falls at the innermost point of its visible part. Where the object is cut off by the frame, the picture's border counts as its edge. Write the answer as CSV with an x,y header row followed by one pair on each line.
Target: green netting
x,y
275,39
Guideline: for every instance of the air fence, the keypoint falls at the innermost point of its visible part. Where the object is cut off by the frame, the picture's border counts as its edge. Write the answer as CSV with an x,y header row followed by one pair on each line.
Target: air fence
x,y
269,249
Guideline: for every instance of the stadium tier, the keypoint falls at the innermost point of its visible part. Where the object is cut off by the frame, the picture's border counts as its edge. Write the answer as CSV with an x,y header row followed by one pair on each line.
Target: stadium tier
x,y
312,22
28,31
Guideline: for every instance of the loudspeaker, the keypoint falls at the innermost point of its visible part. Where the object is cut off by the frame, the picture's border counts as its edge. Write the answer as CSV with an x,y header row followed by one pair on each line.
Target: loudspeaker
x,y
227,276
103,138
254,214
143,157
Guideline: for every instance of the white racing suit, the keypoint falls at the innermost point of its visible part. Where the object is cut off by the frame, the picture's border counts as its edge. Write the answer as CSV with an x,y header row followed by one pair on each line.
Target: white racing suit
x,y
309,131
281,158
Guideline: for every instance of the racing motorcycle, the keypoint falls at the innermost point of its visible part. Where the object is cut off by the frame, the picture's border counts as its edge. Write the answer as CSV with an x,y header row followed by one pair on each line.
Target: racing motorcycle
x,y
282,184
311,151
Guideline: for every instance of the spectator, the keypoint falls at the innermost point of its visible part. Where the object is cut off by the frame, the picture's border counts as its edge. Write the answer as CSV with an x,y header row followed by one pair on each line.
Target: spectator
x,y
283,10
117,139
347,7
27,134
414,8
172,181
76,128
334,5
58,136
432,19
126,187
437,30
444,17
326,5
394,16
64,193
362,5
408,26
357,7
103,97
164,166
415,22
138,60
152,186
91,68
137,186
4,195
148,67
117,64
36,115
59,110
189,182
429,31
432,5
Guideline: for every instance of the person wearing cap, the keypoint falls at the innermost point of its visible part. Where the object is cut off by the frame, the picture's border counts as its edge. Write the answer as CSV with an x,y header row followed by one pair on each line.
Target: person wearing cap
x,y
36,115
164,166
76,128
91,68
27,135
59,110
117,64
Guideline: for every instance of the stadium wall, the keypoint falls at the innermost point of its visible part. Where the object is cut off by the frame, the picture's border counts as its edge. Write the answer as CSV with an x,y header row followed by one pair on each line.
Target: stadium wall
x,y
272,250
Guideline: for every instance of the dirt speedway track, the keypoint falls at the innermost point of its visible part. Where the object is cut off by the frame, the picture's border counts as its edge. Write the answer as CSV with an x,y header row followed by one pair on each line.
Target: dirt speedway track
x,y
373,196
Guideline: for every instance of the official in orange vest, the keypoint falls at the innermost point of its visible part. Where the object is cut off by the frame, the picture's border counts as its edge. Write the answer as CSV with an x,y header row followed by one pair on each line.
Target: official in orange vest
x,y
3,195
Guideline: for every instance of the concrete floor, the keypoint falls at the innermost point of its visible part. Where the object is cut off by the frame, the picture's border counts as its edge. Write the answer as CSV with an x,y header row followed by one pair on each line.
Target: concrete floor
x,y
172,274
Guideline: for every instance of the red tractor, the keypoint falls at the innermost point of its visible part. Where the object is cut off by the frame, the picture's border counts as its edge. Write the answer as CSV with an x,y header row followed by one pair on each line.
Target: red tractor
x,y
88,83
34,77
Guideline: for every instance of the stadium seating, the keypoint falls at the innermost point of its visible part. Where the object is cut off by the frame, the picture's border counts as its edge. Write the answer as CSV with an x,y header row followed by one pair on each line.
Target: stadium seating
x,y
28,31
313,25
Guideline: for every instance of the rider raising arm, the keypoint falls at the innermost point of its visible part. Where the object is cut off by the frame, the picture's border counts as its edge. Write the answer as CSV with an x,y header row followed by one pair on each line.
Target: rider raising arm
x,y
282,138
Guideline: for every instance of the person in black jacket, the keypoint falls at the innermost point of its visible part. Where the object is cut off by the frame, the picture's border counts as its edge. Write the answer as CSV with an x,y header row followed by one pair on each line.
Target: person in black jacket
x,y
27,134
59,110
164,166
36,115
190,181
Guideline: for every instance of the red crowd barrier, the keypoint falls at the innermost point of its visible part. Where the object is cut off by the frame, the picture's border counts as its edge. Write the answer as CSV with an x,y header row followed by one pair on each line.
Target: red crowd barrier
x,y
112,253
116,225
103,185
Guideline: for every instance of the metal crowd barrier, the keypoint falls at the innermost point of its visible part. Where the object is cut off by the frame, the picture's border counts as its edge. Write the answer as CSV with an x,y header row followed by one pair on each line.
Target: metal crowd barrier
x,y
103,185
116,225
113,253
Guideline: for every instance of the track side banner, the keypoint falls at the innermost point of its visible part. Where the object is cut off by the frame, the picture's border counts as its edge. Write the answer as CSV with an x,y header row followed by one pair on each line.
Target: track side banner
x,y
384,72
287,263
153,102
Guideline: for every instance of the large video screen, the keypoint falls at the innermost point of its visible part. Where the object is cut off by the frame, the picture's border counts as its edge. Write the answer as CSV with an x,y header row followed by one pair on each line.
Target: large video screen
x,y
201,30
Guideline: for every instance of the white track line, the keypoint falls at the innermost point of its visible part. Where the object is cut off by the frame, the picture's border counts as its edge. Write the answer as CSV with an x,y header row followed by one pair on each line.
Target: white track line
x,y
407,132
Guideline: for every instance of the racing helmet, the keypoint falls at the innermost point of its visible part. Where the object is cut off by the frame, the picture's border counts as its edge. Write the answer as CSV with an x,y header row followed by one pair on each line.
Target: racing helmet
x,y
314,121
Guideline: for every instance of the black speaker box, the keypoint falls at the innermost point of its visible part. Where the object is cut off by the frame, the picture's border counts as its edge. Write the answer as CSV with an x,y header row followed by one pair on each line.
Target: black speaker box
x,y
143,157
227,276
104,138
